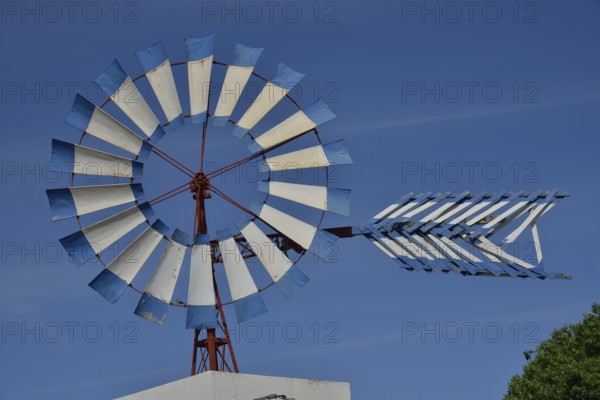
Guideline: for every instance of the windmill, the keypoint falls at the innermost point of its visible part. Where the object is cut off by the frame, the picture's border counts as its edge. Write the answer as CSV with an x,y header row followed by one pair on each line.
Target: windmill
x,y
464,233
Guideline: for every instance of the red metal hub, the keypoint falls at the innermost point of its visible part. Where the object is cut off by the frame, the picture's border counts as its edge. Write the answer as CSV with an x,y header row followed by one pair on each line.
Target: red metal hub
x,y
200,184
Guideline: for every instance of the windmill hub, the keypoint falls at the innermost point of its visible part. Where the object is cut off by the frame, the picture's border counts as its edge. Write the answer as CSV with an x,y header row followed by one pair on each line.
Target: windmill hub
x,y
200,184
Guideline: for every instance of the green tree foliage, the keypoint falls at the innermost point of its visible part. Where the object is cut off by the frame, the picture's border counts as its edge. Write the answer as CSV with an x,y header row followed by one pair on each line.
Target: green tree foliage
x,y
564,367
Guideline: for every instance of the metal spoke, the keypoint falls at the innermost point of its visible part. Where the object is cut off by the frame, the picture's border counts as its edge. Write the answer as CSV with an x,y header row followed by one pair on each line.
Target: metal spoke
x,y
204,132
173,162
252,157
173,192
204,125
230,200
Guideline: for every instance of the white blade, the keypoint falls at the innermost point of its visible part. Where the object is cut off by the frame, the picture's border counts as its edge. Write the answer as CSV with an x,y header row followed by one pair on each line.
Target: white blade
x,y
487,247
414,207
453,212
284,80
201,312
157,67
334,153
87,117
75,201
280,268
200,59
112,282
75,159
93,239
505,214
318,242
537,245
248,302
123,92
155,301
478,205
320,197
487,212
237,75
533,216
302,121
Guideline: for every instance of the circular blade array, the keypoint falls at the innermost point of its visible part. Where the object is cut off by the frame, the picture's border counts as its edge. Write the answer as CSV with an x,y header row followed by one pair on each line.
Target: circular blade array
x,y
91,240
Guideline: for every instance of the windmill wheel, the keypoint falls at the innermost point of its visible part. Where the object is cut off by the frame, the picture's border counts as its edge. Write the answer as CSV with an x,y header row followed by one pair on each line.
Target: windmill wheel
x,y
265,231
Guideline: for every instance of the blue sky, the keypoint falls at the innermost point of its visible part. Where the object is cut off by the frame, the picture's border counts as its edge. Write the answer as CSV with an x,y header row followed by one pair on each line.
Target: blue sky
x,y
390,71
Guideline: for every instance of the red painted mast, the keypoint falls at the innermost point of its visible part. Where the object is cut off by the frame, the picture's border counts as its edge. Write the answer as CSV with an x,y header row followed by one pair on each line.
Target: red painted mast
x,y
214,350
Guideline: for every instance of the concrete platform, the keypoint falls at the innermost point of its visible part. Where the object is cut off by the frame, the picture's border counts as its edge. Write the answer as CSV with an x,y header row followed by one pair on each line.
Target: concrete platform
x,y
227,386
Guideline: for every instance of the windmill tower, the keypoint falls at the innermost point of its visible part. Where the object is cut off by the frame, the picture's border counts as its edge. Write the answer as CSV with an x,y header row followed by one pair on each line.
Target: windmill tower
x,y
461,233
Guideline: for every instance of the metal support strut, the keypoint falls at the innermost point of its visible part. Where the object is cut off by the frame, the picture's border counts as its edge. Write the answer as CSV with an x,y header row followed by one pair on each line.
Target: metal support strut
x,y
213,349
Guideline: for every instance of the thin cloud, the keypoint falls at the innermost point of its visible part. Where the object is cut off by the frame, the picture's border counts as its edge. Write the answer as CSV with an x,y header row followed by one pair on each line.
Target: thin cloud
x,y
433,119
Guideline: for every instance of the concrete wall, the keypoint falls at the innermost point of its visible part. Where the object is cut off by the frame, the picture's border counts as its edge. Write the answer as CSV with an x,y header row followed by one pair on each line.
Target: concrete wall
x,y
227,386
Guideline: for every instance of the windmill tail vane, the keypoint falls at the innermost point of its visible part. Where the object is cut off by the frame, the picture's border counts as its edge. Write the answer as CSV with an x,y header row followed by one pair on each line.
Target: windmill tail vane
x,y
469,234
